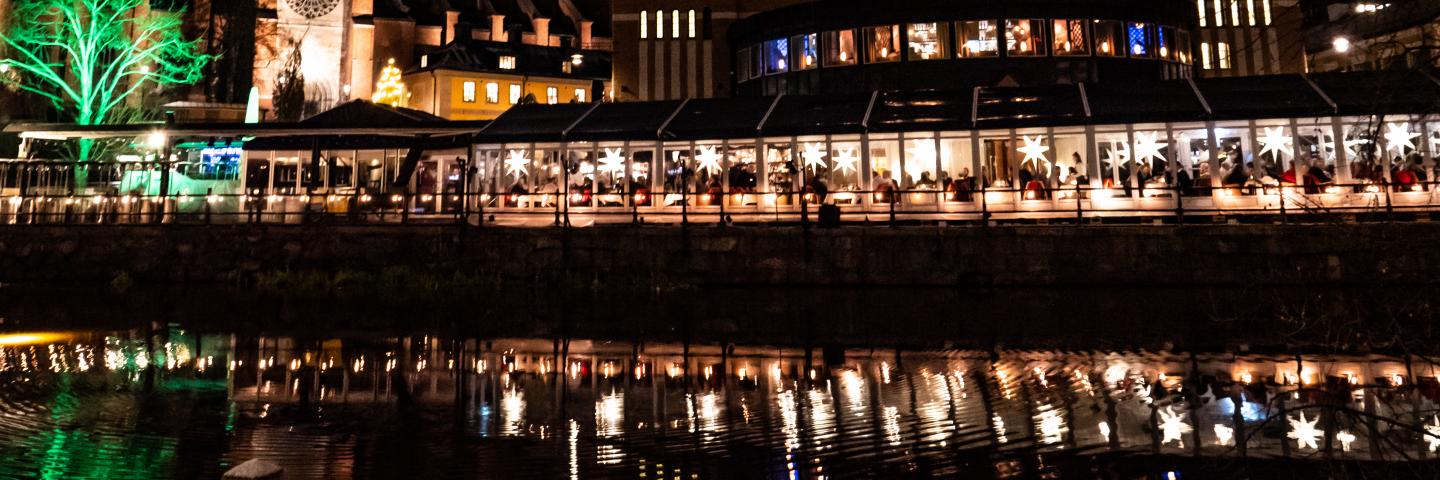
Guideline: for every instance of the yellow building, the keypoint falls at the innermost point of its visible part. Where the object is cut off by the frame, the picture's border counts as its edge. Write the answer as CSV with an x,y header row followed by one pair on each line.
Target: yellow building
x,y
479,80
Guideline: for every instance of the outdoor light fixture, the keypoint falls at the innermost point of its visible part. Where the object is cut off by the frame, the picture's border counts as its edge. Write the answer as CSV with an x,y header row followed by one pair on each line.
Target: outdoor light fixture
x,y
577,59
1341,44
156,139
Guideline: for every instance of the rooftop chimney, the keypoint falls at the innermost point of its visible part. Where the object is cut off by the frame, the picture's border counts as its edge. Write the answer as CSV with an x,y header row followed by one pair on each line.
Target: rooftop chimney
x,y
542,31
585,33
497,28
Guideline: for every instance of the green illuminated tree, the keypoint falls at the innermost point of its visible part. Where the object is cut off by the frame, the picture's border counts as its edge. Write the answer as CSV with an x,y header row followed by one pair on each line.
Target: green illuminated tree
x,y
87,57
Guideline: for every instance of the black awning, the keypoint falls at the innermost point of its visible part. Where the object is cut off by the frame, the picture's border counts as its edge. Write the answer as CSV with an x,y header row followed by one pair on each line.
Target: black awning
x,y
718,118
818,115
1268,96
1012,107
533,123
624,121
922,110
1170,101
1383,92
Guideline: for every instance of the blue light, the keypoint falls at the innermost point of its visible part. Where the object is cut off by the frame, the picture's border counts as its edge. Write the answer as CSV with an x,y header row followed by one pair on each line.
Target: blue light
x,y
1138,41
1251,411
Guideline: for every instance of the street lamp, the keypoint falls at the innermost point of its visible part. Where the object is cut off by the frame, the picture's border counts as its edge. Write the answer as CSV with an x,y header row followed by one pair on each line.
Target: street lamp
x,y
1340,44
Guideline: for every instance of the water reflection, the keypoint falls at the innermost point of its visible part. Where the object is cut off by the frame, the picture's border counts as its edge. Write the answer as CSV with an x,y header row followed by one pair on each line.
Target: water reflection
x,y
122,404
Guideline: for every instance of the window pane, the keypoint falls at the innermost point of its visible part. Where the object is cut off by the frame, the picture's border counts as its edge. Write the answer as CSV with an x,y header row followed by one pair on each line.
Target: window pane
x,y
1108,39
840,48
978,39
1069,37
1020,38
807,51
882,44
927,40
1137,36
777,56
469,92
492,92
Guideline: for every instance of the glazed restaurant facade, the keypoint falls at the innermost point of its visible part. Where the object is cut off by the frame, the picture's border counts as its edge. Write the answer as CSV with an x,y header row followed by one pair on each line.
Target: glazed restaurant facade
x,y
1354,141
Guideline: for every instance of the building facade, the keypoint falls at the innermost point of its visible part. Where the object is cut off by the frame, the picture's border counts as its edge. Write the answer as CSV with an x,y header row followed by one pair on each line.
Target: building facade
x,y
481,79
1249,37
1367,35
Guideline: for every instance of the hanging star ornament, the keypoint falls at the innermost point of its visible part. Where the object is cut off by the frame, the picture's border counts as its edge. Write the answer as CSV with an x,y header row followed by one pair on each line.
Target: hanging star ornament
x,y
814,156
1275,140
709,160
1345,438
846,160
613,162
1399,137
516,164
1304,432
1173,426
1147,146
1033,148
1119,153
1432,433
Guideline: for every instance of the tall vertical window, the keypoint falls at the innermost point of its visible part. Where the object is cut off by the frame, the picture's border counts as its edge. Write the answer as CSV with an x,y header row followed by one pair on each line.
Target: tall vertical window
x,y
691,19
777,56
1199,6
807,51
580,95
675,23
1109,38
839,48
660,24
1137,36
1205,56
552,95
979,39
1068,37
644,24
1250,11
1165,44
1219,14
1234,12
882,44
468,95
514,94
1022,38
1182,47
1265,5
927,40
1222,55
492,92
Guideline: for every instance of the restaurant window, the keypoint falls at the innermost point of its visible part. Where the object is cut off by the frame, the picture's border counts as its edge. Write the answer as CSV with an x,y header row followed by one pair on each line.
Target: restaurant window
x,y
957,174
845,153
552,95
1108,38
1068,37
840,48
514,94
780,171
507,62
1194,172
928,40
691,18
1222,55
675,23
468,95
580,95
1021,39
978,39
1314,164
882,44
807,51
1137,37
777,56
492,92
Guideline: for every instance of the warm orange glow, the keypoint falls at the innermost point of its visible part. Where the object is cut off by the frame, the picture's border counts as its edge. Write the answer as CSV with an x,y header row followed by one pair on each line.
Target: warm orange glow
x,y
12,339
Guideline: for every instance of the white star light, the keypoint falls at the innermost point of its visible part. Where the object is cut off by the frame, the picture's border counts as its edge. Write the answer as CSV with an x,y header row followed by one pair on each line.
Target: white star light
x,y
1173,426
1345,438
613,161
1147,146
1033,149
709,160
846,159
1399,137
1304,432
1118,154
924,157
1224,435
516,164
814,156
1275,140
1432,434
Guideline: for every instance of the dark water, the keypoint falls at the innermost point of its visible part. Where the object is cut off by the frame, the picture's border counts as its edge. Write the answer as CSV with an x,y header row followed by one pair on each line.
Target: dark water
x,y
164,401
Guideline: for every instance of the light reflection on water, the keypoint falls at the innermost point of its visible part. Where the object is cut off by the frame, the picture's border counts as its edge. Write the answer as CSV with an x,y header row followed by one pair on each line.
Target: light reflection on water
x,y
129,405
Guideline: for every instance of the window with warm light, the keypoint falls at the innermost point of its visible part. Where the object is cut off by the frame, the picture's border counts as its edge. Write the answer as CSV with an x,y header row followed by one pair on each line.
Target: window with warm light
x,y
1068,37
1219,14
1234,12
659,24
691,18
468,92
492,92
580,95
644,24
928,40
882,44
1199,7
1022,38
507,62
1137,40
675,22
1265,6
978,39
840,48
1250,11
1222,55
1205,56
807,51
1182,47
1165,45
552,95
1109,38
777,56
515,94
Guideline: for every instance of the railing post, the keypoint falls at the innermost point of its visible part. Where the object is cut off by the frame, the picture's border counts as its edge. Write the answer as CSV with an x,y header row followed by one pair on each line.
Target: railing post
x,y
892,200
208,192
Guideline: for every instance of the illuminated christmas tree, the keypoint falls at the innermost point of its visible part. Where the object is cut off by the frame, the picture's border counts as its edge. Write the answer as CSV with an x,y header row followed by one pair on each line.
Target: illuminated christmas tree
x,y
389,90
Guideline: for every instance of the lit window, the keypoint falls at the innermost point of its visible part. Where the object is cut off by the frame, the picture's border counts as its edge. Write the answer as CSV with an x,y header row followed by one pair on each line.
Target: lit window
x,y
1137,36
492,92
927,40
840,48
552,95
675,22
1235,12
1222,55
514,94
1022,39
1165,44
692,23
1265,4
1109,38
644,24
469,92
882,44
807,51
424,61
1250,11
1068,37
580,95
1182,47
979,39
1199,5
1205,56
659,24
777,56
507,62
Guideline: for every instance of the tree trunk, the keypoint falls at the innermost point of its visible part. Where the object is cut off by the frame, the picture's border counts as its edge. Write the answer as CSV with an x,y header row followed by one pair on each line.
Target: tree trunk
x,y
81,168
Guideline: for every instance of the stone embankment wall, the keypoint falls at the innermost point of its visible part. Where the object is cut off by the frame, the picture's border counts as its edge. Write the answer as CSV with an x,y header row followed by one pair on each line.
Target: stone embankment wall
x,y
939,256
